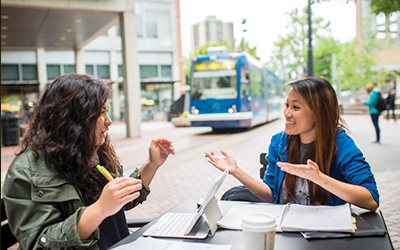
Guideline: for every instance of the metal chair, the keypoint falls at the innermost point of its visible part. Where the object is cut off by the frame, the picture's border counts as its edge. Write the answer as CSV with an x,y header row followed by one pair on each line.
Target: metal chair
x,y
241,193
7,238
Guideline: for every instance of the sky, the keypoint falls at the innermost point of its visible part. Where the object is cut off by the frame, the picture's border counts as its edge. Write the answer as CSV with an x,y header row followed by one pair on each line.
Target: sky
x,y
266,19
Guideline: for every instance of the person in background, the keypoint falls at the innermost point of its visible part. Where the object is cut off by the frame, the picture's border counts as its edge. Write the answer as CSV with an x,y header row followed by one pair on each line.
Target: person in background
x,y
313,161
374,93
390,104
54,196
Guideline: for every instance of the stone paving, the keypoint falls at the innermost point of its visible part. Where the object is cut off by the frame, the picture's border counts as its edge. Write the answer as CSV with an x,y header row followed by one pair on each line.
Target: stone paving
x,y
188,175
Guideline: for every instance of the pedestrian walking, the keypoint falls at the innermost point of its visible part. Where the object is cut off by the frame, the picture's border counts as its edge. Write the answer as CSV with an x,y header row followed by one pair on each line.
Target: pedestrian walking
x,y
372,102
390,104
65,189
313,161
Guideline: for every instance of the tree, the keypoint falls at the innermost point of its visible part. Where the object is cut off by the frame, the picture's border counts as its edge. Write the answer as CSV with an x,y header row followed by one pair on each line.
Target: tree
x,y
323,51
289,59
355,66
290,54
385,6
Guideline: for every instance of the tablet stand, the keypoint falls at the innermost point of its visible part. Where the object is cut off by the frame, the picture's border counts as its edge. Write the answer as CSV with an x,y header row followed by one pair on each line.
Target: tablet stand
x,y
212,214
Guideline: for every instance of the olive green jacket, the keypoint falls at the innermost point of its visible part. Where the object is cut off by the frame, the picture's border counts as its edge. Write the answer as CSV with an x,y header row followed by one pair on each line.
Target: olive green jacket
x,y
43,207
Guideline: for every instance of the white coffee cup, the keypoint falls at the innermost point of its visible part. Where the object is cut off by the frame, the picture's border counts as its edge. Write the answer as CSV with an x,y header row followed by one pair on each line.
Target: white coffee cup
x,y
258,231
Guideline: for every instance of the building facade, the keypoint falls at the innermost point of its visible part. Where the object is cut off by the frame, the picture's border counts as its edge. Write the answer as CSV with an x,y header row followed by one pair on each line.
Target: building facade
x,y
159,59
386,30
211,30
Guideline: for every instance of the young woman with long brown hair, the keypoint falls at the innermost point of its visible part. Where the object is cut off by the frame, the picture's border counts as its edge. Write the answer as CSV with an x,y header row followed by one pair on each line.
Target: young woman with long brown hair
x,y
314,161
54,196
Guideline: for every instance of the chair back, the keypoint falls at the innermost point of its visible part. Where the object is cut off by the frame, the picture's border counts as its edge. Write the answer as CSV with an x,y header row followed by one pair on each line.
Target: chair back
x,y
264,164
7,238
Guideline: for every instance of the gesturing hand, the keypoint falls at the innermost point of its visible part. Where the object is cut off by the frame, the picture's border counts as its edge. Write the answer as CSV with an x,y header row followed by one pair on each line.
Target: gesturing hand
x,y
159,151
117,193
310,171
222,164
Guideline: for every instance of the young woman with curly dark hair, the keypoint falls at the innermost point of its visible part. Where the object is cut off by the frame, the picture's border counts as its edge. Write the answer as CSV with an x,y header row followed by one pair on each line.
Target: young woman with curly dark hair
x,y
53,193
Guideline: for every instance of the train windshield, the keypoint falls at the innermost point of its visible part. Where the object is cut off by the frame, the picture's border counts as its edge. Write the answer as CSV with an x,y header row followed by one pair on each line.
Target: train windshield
x,y
214,80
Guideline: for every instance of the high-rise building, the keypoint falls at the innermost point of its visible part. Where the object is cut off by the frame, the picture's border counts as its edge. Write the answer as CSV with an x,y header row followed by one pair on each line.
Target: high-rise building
x,y
211,30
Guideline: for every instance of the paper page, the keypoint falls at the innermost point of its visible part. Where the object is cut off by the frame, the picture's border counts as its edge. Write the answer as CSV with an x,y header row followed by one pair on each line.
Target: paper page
x,y
233,218
149,243
318,218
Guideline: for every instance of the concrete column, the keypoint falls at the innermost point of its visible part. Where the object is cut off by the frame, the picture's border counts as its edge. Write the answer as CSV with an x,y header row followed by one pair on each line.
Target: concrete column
x,y
175,31
116,111
79,63
42,70
131,84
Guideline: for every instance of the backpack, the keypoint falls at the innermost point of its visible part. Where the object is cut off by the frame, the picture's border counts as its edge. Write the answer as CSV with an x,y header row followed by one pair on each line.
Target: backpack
x,y
381,104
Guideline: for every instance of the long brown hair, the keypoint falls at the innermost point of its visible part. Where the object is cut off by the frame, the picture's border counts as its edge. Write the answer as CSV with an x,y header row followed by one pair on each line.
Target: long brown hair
x,y
63,127
320,97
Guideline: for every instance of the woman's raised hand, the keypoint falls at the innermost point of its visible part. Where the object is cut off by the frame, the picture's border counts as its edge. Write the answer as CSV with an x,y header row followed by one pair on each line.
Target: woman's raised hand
x,y
228,163
159,151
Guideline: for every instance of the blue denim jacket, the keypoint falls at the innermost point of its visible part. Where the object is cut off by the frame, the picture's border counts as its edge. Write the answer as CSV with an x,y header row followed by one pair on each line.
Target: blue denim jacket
x,y
348,165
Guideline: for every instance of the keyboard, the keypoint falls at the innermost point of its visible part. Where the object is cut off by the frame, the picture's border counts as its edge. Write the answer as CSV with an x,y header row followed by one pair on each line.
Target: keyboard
x,y
170,225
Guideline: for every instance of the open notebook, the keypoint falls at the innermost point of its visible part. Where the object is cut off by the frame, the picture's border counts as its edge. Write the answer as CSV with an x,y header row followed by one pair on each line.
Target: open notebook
x,y
191,225
294,217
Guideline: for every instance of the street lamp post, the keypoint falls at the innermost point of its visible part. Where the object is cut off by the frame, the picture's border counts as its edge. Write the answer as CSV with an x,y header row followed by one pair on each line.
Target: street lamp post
x,y
310,64
244,31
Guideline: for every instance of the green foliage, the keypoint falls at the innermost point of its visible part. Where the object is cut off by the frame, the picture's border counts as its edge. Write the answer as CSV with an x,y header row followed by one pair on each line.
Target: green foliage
x,y
290,55
385,6
354,63
322,53
355,66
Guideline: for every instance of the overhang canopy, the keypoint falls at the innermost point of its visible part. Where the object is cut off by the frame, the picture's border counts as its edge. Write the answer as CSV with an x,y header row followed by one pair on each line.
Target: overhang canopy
x,y
49,28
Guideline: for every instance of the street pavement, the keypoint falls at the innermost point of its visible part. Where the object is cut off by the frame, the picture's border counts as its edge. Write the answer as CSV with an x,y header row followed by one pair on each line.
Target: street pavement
x,y
188,175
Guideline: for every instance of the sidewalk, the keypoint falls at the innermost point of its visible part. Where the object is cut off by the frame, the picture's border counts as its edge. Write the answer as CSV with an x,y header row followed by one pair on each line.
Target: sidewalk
x,y
184,176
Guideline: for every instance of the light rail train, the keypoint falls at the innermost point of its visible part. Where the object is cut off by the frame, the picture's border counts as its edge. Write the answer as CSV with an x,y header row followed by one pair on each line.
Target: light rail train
x,y
233,90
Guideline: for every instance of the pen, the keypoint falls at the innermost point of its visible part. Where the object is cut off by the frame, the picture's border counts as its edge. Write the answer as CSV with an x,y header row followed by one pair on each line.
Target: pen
x,y
217,156
105,172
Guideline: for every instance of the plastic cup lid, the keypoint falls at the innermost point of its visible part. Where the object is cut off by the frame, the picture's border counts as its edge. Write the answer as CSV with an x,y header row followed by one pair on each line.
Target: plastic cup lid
x,y
258,222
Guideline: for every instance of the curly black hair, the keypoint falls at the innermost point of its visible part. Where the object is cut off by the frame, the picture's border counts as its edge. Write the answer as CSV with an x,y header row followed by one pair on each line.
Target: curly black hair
x,y
63,127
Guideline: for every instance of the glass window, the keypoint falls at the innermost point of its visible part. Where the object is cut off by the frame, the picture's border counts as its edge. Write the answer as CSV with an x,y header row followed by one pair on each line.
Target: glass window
x,y
68,69
139,20
9,73
166,71
120,73
29,72
164,25
256,83
103,71
118,31
148,71
151,26
89,69
53,71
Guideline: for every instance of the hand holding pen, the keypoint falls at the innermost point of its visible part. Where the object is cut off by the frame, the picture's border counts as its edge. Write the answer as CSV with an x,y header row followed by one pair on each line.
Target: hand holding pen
x,y
117,192
222,162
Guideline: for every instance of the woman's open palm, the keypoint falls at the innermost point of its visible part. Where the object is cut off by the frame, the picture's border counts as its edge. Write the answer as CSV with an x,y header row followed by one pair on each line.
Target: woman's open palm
x,y
223,164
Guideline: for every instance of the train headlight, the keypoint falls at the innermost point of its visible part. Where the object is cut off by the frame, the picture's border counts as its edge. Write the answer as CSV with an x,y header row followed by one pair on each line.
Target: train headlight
x,y
194,111
232,109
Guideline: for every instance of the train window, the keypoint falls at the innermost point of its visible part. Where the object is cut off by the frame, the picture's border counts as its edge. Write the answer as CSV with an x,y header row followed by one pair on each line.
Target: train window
x,y
214,80
256,83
